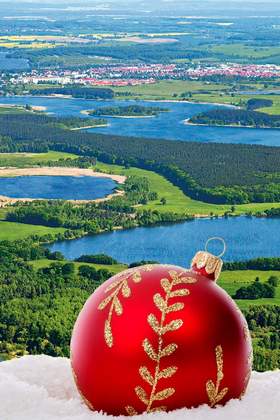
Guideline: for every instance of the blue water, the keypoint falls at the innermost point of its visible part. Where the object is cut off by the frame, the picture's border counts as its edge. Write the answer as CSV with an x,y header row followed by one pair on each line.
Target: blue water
x,y
56,187
245,237
167,125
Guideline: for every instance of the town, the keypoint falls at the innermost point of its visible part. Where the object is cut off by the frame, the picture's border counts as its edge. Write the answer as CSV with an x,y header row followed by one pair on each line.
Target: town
x,y
133,75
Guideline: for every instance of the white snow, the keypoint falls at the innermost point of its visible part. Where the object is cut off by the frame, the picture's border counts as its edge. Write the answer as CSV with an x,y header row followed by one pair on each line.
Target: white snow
x,y
42,388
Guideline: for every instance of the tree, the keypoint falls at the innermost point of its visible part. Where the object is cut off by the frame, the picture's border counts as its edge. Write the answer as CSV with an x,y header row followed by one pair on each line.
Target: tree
x,y
68,269
273,281
163,201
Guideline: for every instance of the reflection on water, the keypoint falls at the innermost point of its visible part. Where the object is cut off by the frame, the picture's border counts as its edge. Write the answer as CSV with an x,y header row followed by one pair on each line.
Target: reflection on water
x,y
57,187
245,237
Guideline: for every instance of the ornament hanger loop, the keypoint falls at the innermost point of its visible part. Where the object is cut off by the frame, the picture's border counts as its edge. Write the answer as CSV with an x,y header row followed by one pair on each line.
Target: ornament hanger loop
x,y
216,238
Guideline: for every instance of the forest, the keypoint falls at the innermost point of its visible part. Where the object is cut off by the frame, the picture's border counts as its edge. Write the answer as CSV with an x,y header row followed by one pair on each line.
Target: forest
x,y
127,111
258,290
261,263
76,92
93,218
144,52
211,172
38,307
236,117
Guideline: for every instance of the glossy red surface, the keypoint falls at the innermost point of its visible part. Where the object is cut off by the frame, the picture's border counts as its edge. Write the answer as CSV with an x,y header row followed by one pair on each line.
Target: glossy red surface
x,y
109,377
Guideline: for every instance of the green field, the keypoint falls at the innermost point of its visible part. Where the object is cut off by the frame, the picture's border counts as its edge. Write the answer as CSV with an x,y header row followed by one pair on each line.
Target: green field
x,y
29,159
12,109
116,268
229,280
14,231
167,89
233,280
177,201
201,92
241,50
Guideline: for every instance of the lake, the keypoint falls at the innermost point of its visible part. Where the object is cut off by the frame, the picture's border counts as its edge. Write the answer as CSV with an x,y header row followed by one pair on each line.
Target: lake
x,y
57,187
245,237
167,125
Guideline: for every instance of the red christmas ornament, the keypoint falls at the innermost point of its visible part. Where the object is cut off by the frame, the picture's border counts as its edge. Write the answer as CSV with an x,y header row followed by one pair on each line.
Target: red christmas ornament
x,y
160,337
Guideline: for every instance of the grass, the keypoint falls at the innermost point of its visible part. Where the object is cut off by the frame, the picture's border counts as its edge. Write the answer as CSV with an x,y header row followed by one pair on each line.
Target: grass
x,y
166,89
233,280
116,268
10,231
201,92
241,50
12,109
30,159
177,201
230,281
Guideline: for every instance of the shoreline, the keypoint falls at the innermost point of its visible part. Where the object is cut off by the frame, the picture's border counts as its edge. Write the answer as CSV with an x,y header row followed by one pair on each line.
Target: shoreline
x,y
34,108
187,122
61,96
87,112
59,171
88,126
8,201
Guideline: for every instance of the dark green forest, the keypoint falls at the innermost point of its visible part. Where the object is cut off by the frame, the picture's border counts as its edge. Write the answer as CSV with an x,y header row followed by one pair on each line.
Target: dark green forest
x,y
261,263
130,111
211,172
38,308
93,218
237,117
76,92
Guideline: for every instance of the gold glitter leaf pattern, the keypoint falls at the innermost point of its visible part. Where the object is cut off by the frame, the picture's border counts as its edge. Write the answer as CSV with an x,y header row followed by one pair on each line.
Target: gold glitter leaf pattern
x,y
146,375
175,307
165,284
152,320
131,411
141,394
105,302
108,333
149,350
179,292
168,372
119,286
162,395
172,326
177,279
118,306
157,409
160,328
213,392
168,350
159,302
126,292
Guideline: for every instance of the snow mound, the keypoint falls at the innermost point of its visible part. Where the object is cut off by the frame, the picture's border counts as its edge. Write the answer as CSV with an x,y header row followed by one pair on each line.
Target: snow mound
x,y
42,388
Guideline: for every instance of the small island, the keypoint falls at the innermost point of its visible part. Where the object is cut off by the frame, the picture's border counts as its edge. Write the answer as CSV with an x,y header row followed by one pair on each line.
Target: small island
x,y
74,123
239,117
130,111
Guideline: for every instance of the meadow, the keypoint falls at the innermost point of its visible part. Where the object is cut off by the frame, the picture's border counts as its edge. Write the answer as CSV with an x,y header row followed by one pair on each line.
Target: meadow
x,y
31,159
203,91
230,281
10,231
176,200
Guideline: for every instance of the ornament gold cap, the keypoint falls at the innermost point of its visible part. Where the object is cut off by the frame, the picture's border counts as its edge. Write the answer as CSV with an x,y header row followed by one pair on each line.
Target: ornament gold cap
x,y
207,264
